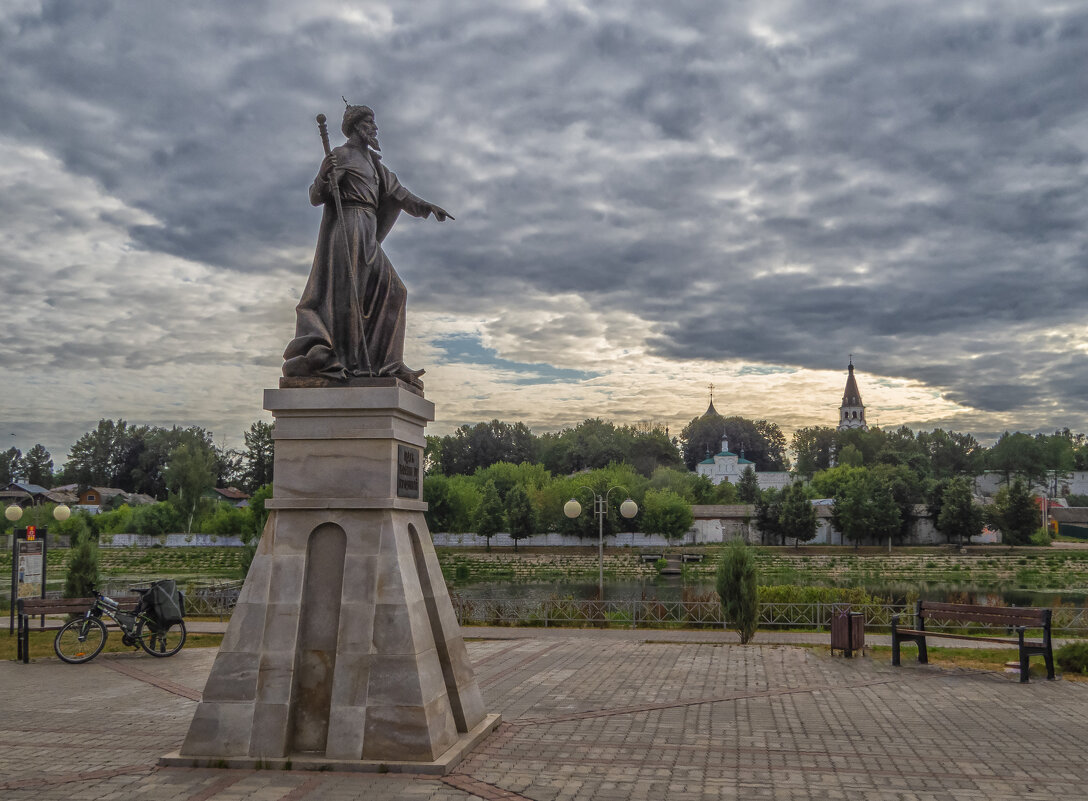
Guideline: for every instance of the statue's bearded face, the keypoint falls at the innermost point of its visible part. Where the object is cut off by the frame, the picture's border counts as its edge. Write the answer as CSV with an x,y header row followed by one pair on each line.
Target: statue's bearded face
x,y
368,129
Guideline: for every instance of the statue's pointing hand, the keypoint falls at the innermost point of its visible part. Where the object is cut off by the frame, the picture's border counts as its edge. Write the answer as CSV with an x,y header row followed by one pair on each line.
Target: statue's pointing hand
x,y
439,213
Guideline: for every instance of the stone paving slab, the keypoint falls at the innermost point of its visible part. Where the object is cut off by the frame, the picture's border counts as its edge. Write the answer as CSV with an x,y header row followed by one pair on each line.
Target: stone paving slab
x,y
591,715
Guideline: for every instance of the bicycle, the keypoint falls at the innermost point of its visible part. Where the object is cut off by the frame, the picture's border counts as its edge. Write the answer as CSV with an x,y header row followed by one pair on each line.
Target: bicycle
x,y
82,639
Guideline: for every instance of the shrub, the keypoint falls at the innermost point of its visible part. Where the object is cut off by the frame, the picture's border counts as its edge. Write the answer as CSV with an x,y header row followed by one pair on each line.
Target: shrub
x,y
82,569
1041,537
154,519
736,585
1073,657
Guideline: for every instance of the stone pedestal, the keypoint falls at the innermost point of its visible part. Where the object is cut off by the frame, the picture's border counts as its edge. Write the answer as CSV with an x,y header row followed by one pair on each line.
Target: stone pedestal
x,y
344,649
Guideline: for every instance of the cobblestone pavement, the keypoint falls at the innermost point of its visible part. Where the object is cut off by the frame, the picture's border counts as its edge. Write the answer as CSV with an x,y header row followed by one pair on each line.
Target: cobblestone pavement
x,y
589,715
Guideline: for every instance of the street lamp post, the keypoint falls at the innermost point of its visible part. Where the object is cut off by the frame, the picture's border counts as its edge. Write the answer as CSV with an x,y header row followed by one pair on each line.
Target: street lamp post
x,y
600,508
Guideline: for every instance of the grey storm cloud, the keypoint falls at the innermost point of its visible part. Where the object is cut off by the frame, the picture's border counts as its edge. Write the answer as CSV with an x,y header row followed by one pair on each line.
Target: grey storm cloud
x,y
776,182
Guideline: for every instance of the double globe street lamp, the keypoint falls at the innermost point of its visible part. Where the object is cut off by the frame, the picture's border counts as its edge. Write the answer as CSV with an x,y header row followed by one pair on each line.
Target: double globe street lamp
x,y
60,512
600,508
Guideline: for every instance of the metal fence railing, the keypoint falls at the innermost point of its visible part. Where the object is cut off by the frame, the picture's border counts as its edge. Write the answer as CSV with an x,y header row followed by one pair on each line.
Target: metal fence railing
x,y
649,613
218,598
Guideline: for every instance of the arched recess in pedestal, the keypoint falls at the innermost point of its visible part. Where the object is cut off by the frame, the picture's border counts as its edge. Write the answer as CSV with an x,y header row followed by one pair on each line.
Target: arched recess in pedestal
x,y
319,622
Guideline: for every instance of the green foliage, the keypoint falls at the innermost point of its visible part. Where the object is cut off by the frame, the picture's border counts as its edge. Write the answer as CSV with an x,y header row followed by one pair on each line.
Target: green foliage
x,y
865,507
472,447
190,473
768,514
666,513
258,457
761,441
815,449
490,514
153,519
82,574
594,444
851,456
226,520
748,486
797,515
1041,538
506,476
452,502
11,466
38,466
692,487
1014,513
737,587
258,515
520,515
119,521
76,526
960,518
1018,455
1073,657
550,500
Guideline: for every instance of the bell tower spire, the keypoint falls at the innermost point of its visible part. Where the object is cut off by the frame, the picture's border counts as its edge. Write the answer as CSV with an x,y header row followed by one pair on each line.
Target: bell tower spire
x,y
852,410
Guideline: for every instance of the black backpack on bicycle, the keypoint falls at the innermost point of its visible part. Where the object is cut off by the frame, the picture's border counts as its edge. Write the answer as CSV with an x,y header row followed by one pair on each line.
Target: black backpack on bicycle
x,y
164,603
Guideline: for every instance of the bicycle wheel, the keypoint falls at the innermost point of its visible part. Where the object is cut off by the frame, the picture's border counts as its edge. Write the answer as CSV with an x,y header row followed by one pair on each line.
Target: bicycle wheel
x,y
159,641
80,640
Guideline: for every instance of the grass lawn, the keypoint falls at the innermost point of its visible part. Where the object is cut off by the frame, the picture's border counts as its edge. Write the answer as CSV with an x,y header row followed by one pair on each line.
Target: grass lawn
x,y
41,644
971,658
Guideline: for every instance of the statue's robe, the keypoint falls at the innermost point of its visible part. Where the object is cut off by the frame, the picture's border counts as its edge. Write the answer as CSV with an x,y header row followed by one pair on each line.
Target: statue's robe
x,y
336,338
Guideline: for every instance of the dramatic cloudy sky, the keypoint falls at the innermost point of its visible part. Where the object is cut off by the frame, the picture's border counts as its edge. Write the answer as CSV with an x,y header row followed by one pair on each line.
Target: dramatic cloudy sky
x,y
650,197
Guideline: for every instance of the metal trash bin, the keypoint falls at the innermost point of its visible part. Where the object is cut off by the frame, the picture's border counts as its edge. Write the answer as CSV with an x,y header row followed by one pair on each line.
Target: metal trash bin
x,y
847,631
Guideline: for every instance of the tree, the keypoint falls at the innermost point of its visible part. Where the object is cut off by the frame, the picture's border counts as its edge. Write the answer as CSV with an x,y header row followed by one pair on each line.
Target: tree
x,y
851,456
815,449
96,457
154,519
82,573
666,513
38,466
737,589
865,506
1058,453
489,514
258,457
11,466
952,454
520,515
748,486
472,447
451,503
1014,513
189,474
960,517
768,514
1018,455
760,441
797,517
693,487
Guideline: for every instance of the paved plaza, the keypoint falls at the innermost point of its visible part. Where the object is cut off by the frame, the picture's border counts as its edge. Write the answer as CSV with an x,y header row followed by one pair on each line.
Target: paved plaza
x,y
652,715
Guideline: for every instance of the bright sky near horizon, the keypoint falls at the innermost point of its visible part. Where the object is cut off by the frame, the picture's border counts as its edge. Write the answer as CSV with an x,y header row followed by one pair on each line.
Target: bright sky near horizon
x,y
649,198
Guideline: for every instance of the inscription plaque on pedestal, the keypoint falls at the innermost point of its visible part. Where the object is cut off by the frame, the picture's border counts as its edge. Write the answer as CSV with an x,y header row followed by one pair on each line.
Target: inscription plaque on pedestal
x,y
408,460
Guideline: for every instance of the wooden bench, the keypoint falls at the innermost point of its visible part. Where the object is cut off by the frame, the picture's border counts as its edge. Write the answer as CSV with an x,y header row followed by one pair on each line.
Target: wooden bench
x,y
1007,617
650,557
691,557
39,607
